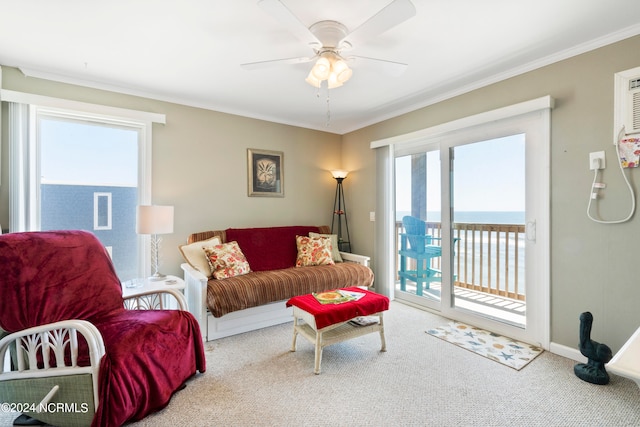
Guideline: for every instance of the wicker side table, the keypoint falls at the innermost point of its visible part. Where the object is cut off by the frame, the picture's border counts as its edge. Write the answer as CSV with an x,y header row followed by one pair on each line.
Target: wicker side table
x,y
305,316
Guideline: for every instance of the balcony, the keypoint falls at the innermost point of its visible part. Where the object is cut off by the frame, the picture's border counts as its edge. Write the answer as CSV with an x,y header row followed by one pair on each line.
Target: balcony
x,y
488,268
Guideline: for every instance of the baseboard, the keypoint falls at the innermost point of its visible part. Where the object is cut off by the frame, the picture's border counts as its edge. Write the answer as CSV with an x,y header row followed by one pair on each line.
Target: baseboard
x,y
568,352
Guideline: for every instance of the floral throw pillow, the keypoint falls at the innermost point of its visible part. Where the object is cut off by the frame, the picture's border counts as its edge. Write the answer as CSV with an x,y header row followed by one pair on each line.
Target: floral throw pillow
x,y
313,251
335,251
226,260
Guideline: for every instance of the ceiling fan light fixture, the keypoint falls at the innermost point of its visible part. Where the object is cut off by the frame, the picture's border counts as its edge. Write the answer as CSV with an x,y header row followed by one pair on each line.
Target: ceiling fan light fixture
x,y
312,80
330,67
333,82
322,69
341,71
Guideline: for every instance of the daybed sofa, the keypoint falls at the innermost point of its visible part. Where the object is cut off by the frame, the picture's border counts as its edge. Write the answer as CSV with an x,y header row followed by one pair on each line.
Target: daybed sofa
x,y
257,299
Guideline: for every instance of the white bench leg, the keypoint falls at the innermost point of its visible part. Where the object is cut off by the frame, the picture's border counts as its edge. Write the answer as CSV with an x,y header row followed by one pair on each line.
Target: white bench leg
x,y
382,340
318,352
295,333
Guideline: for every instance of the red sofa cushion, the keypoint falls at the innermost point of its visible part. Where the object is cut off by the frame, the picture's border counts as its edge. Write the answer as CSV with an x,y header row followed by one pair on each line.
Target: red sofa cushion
x,y
270,248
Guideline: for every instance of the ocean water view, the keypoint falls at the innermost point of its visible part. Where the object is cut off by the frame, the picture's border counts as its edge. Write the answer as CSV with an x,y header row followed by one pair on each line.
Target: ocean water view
x,y
474,217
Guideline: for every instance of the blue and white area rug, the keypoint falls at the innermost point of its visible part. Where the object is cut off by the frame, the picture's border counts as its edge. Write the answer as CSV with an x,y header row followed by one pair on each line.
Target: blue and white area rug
x,y
514,354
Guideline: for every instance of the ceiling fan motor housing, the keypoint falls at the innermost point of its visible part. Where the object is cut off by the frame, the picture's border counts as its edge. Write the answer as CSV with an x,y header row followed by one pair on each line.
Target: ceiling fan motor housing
x,y
330,33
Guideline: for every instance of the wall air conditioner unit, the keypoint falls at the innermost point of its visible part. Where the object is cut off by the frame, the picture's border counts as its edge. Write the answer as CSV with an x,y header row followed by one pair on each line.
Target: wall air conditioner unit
x,y
632,119
627,102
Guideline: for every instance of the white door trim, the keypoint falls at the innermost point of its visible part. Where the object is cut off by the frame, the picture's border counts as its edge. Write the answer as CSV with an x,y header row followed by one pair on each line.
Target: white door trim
x,y
538,170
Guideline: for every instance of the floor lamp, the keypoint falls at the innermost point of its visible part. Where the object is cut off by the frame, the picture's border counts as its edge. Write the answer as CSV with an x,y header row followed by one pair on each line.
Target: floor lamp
x,y
155,220
340,211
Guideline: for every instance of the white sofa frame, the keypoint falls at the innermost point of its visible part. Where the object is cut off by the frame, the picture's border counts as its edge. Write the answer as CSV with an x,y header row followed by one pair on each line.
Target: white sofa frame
x,y
240,321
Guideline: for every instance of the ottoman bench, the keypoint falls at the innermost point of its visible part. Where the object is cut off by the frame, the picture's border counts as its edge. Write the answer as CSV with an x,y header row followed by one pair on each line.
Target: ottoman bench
x,y
326,324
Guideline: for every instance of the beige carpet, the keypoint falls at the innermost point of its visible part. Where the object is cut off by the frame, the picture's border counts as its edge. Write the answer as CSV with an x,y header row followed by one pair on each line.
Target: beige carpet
x,y
253,380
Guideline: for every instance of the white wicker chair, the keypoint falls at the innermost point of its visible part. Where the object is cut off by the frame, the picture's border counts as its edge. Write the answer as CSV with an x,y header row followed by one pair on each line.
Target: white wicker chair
x,y
28,354
79,353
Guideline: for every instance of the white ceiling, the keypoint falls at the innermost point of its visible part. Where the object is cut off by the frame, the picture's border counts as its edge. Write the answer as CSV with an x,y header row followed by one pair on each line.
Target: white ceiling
x,y
190,51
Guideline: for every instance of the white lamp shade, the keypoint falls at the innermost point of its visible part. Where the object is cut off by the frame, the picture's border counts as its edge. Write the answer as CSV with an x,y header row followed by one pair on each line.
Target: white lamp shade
x,y
322,69
339,174
154,220
311,79
342,71
333,82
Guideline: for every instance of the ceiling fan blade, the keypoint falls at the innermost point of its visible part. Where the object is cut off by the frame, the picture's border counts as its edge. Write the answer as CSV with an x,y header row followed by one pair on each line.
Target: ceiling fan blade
x,y
391,15
274,63
281,13
390,68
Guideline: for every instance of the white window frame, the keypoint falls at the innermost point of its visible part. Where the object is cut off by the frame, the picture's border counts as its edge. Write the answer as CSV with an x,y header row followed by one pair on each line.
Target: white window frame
x,y
24,150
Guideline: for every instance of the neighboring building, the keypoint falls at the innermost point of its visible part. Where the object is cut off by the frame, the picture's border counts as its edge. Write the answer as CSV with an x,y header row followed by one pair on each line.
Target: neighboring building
x,y
107,211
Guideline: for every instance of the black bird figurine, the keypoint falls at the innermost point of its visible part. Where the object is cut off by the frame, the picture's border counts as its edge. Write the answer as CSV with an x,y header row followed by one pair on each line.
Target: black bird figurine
x,y
598,354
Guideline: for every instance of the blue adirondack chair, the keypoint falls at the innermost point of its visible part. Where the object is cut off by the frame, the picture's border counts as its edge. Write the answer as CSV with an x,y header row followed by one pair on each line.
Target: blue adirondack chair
x,y
416,244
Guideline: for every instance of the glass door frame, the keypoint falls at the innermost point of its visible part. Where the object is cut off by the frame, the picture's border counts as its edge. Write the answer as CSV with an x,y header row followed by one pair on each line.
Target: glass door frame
x,y
414,299
531,118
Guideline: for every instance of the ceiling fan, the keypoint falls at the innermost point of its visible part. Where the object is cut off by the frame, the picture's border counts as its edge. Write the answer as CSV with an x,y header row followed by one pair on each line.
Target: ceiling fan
x,y
329,39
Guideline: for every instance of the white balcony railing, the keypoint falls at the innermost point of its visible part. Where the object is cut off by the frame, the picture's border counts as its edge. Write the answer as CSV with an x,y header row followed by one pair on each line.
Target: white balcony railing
x,y
488,258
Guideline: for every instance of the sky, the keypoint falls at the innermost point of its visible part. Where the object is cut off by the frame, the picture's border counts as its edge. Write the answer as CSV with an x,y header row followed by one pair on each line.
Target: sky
x,y
488,176
82,153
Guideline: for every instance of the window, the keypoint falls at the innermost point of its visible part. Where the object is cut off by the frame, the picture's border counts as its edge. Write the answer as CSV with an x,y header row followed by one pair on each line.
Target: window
x,y
81,166
102,211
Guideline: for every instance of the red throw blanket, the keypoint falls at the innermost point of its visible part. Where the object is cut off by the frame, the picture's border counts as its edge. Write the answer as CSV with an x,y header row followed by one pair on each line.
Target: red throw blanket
x,y
330,314
51,276
278,242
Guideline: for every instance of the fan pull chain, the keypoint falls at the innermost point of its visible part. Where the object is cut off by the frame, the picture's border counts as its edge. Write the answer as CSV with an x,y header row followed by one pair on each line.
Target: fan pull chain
x,y
328,123
328,101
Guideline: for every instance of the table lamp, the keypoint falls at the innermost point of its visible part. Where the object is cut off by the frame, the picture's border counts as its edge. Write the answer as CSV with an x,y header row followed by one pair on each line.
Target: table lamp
x,y
155,220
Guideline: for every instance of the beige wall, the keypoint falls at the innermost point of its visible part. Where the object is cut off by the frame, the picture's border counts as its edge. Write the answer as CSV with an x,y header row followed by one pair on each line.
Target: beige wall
x,y
593,266
200,165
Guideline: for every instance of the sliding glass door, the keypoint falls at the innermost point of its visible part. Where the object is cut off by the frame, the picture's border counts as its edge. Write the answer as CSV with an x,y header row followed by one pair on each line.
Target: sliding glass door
x,y
418,196
488,205
478,199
